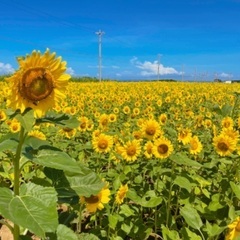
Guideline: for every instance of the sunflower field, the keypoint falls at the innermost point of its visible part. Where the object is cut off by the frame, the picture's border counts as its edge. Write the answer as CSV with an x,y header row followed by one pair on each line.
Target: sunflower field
x,y
117,160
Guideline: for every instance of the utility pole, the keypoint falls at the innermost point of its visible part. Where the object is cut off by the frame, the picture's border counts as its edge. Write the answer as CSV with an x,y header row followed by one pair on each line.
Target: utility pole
x,y
100,33
158,72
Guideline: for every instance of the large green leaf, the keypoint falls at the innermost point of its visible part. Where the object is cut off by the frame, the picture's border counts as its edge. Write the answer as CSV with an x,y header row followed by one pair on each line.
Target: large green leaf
x,y
183,159
8,143
35,209
26,119
183,182
63,233
69,185
85,185
235,189
6,195
55,158
191,216
148,200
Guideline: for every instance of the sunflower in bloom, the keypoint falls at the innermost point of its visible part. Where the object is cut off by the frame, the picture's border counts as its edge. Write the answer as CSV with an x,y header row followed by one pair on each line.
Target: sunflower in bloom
x,y
83,123
15,126
131,150
95,202
102,143
231,133
233,230
195,146
3,116
163,118
148,149
37,134
68,132
121,194
184,136
103,120
227,122
112,117
162,148
151,129
38,84
224,145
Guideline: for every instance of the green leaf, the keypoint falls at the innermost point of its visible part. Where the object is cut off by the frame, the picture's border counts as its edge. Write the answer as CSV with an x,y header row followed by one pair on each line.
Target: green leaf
x,y
6,195
183,183
70,185
113,220
126,210
213,230
85,185
87,236
169,234
26,119
8,144
63,233
35,209
63,120
148,200
188,234
236,189
191,216
35,143
183,159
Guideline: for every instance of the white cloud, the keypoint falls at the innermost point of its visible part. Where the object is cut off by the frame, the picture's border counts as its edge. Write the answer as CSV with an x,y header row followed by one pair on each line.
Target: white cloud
x,y
115,67
226,75
151,68
70,71
6,68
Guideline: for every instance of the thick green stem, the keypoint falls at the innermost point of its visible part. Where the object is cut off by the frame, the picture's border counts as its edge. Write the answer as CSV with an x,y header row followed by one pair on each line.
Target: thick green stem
x,y
16,163
170,196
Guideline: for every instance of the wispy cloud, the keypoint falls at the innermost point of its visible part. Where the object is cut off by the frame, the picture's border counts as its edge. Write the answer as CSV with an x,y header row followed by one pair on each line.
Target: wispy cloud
x,y
226,75
70,71
6,68
153,68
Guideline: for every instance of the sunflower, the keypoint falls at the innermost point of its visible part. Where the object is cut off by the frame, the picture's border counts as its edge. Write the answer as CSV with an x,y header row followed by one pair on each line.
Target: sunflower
x,y
148,149
15,126
231,133
151,129
102,143
184,136
103,120
112,117
227,122
163,118
83,123
224,145
68,132
131,150
126,110
95,202
37,134
3,116
38,84
162,148
233,230
195,145
121,194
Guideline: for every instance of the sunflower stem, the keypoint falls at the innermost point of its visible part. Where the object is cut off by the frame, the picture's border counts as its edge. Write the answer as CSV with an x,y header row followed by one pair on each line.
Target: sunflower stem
x,y
169,197
79,225
16,163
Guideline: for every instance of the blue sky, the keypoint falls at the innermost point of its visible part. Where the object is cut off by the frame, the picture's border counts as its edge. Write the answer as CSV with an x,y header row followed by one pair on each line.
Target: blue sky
x,y
185,40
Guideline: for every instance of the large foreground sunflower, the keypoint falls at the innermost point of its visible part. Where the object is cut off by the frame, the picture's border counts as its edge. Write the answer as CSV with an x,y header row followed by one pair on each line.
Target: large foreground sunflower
x,y
38,83
233,230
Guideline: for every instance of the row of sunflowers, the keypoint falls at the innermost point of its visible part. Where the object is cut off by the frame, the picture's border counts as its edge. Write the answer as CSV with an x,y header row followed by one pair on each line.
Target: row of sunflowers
x,y
120,160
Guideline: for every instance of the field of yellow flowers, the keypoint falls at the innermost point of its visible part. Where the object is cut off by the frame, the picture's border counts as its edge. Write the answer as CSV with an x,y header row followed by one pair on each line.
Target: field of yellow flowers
x,y
118,160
